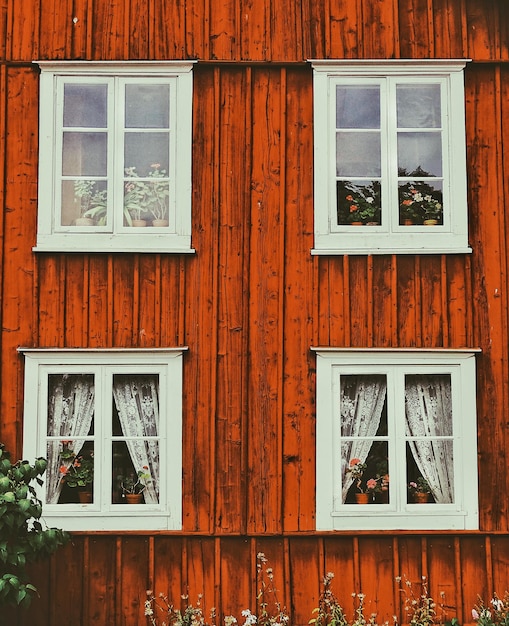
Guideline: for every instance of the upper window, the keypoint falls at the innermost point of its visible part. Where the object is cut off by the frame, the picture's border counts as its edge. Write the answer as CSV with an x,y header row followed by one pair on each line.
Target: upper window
x,y
390,165
115,156
396,440
109,423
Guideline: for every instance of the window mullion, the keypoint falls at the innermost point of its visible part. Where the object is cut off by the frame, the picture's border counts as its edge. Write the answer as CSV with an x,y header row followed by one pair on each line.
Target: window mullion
x,y
117,153
398,438
391,164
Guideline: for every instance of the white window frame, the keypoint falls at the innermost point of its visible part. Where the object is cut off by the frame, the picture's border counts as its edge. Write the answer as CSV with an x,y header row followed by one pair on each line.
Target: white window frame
x,y
102,514
331,514
176,237
390,237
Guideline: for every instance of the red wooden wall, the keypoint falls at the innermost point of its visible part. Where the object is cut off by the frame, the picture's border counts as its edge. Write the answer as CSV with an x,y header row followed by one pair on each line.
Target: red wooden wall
x,y
252,300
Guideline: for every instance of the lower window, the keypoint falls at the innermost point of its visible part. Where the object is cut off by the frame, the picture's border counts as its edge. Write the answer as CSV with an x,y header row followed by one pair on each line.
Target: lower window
x,y
109,422
396,439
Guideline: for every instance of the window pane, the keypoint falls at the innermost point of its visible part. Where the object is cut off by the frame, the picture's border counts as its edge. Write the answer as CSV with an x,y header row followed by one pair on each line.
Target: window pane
x,y
358,154
85,105
420,200
420,154
357,106
358,201
418,106
136,420
147,106
84,200
145,150
84,154
428,414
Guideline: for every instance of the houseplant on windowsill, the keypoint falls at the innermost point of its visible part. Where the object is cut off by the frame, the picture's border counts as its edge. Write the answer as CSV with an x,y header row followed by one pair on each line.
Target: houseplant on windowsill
x,y
92,203
420,202
363,208
157,193
145,198
134,485
77,472
419,490
356,468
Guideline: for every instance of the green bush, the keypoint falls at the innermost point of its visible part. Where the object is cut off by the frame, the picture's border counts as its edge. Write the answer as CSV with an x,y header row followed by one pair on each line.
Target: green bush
x,y
23,539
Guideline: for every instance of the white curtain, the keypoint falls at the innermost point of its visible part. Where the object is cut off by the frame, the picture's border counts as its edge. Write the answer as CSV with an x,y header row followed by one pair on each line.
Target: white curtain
x,y
428,410
136,399
362,401
70,413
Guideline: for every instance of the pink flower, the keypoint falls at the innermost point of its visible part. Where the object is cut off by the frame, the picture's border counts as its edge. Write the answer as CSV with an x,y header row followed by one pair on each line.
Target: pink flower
x,y
475,615
354,462
371,483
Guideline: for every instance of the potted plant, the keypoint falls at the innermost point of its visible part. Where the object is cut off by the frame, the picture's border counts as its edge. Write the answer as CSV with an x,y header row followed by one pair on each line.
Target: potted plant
x,y
77,471
92,203
419,490
134,485
134,199
419,202
359,204
356,468
157,193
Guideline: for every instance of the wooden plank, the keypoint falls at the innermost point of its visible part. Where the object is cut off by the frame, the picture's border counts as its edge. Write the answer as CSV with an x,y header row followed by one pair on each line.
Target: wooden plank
x,y
265,294
379,29
333,302
51,301
171,297
344,32
139,27
432,305
99,581
55,29
22,37
148,277
197,34
449,29
237,585
306,572
359,295
131,593
483,30
167,30
382,332
284,30
254,30
99,302
108,31
376,555
458,317
415,40
224,30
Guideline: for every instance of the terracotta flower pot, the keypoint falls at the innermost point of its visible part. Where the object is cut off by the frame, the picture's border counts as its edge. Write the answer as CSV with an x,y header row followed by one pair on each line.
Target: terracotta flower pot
x,y
85,497
134,498
362,498
84,221
430,222
159,223
408,222
421,498
139,223
356,224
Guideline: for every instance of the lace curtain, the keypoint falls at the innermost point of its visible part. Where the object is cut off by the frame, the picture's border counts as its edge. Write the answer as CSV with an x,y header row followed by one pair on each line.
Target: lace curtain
x,y
362,402
137,403
428,409
70,413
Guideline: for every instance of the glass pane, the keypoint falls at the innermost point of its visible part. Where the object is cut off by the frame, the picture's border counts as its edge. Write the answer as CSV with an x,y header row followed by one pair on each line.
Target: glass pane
x,y
359,201
146,199
358,154
357,106
430,471
85,105
420,154
146,151
362,405
147,106
420,201
84,154
70,474
70,405
428,405
418,106
84,203
135,418
369,478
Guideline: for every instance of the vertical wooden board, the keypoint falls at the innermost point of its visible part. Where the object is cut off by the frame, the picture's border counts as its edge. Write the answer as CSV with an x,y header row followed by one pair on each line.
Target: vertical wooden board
x,y
475,579
500,564
23,23
306,572
149,277
483,30
100,582
415,39
168,570
489,315
138,29
19,221
361,298
383,303
272,592
124,276
39,612
237,583
504,29
300,308
76,282
224,29
168,30
197,24
449,38
134,580
379,29
314,18
55,29
80,29
255,30
344,34
339,560
67,591
232,319
108,30
200,318
408,307
201,569
265,301
458,303
408,566
98,302
52,296
333,303
432,306
376,576
441,567
173,269
3,28
285,30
